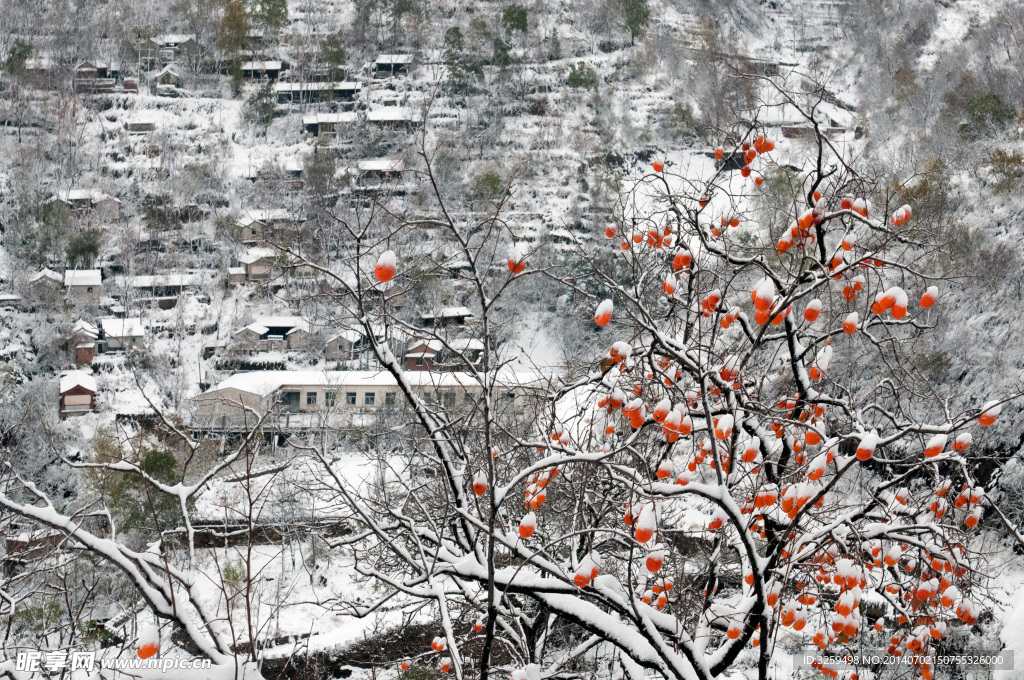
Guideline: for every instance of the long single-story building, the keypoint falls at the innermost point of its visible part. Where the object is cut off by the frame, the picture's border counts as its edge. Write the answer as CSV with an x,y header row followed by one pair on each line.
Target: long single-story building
x,y
241,398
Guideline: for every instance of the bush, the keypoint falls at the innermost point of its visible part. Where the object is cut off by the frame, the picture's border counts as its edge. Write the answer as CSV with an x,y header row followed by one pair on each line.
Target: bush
x,y
581,77
260,106
1007,167
488,183
514,19
985,114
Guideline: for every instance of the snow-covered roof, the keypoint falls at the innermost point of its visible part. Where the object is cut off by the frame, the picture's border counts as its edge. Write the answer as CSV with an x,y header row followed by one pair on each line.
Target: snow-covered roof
x,y
390,114
83,327
73,379
349,335
296,86
265,323
82,277
381,165
261,66
91,195
47,274
236,270
265,383
253,216
338,117
257,254
464,344
122,328
448,312
426,348
175,38
165,280
170,68
394,59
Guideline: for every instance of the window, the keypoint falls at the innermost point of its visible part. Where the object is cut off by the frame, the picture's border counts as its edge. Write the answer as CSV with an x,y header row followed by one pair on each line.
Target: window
x,y
310,398
369,399
447,398
419,361
467,398
350,398
329,399
89,289
389,398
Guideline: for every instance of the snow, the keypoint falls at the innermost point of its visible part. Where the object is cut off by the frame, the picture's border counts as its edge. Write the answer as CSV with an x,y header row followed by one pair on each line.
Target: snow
x,y
122,328
82,277
73,379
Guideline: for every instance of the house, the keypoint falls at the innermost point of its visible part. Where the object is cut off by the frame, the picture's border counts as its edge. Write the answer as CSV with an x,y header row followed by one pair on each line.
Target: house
x,y
313,92
122,334
377,170
168,75
84,285
163,49
77,394
457,355
349,345
10,300
141,123
306,397
323,124
42,72
258,263
176,46
80,202
93,77
390,65
262,70
393,118
256,226
236,275
273,333
420,357
83,340
163,285
448,316
46,284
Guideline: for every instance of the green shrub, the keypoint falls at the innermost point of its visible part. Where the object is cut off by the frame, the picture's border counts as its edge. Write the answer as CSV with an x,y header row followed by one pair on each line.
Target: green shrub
x,y
581,77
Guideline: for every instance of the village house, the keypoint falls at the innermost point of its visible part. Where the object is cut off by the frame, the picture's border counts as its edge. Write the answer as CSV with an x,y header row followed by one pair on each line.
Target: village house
x,y
307,92
351,344
83,341
327,124
46,285
141,123
83,285
258,263
236,275
94,77
262,70
378,170
393,118
390,65
77,394
458,355
273,334
168,76
448,316
100,206
41,72
256,226
420,356
163,49
122,334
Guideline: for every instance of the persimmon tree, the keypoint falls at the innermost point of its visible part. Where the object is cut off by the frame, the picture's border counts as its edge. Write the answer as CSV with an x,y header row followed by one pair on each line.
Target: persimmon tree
x,y
752,458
